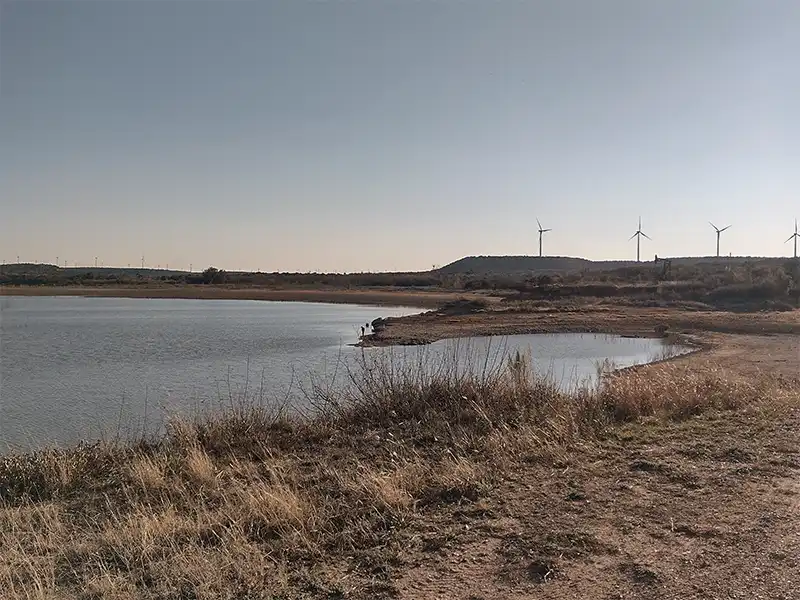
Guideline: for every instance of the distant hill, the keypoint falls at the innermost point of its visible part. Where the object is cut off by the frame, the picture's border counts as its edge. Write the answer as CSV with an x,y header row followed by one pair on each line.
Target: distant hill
x,y
481,266
513,265
517,265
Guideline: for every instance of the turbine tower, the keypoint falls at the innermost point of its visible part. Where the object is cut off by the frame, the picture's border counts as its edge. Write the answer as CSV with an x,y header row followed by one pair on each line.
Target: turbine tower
x,y
794,237
718,230
638,235
541,231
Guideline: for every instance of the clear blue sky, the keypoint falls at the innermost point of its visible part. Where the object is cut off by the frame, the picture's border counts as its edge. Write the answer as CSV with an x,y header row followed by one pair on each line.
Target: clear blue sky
x,y
392,135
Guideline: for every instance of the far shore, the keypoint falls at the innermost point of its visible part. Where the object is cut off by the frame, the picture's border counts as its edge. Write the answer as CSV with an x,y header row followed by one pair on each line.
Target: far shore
x,y
755,341
600,318
376,297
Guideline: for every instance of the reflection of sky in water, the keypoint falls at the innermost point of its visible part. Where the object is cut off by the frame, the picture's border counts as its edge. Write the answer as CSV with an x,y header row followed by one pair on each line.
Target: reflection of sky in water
x,y
569,359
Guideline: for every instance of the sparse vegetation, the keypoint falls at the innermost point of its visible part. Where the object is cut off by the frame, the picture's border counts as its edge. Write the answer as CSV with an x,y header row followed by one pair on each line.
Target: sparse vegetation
x,y
252,503
739,284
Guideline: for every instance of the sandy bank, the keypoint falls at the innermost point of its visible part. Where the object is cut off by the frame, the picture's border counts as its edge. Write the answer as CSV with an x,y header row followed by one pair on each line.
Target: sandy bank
x,y
757,341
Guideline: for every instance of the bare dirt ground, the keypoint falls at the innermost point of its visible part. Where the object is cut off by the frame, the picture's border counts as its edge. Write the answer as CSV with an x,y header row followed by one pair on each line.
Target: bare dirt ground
x,y
430,326
709,508
746,342
774,354
704,508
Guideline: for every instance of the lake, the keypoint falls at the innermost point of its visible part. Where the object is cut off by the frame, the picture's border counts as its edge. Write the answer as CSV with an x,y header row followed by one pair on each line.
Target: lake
x,y
76,368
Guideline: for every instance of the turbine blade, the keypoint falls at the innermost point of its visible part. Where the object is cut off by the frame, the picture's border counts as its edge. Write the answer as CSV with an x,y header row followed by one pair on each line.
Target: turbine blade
x,y
546,230
724,228
791,237
633,236
647,236
714,226
539,224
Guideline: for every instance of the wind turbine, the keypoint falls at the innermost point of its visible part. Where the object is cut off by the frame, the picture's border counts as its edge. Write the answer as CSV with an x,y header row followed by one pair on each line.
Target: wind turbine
x,y
638,235
718,230
541,231
794,237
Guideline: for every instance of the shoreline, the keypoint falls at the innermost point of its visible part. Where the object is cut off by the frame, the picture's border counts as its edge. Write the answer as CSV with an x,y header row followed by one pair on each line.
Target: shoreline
x,y
707,329
751,343
371,297
626,321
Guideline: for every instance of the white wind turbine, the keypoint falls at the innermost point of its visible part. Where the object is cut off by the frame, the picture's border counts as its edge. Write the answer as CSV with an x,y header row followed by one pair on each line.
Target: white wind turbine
x,y
638,235
719,231
541,231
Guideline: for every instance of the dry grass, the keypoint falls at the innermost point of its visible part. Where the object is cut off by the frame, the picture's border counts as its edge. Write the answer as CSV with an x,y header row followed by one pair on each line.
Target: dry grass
x,y
677,391
250,504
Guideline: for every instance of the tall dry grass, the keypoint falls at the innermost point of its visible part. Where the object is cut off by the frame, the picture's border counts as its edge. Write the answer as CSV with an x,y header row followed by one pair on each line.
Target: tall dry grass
x,y
250,503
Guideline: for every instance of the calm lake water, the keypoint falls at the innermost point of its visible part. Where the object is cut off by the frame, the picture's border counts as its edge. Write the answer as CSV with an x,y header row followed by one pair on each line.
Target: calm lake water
x,y
81,368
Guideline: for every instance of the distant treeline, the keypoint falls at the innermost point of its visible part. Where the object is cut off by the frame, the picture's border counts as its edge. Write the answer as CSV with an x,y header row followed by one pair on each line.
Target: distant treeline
x,y
51,275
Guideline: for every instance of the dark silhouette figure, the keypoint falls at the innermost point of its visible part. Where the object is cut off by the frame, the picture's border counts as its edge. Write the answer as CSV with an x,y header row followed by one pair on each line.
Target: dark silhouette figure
x,y
362,331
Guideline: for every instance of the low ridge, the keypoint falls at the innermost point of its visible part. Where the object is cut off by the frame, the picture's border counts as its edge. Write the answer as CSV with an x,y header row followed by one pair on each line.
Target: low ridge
x,y
514,265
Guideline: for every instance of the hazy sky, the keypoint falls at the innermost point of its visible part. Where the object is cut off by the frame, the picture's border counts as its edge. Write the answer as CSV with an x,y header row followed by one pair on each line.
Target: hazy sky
x,y
391,135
